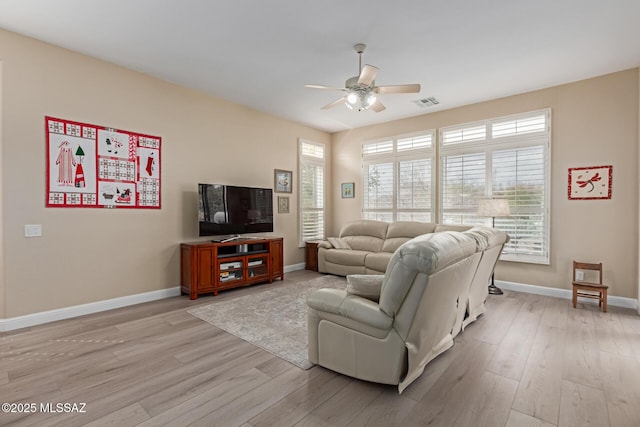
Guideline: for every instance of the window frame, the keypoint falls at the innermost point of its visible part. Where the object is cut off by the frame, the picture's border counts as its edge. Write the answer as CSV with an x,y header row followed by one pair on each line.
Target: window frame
x,y
315,161
489,145
395,157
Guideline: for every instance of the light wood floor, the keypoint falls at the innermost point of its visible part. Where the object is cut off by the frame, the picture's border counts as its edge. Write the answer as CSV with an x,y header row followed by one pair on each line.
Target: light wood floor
x,y
529,361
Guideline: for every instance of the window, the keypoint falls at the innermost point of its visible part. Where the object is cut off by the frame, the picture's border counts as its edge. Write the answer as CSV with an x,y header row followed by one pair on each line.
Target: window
x,y
397,178
464,183
311,166
503,158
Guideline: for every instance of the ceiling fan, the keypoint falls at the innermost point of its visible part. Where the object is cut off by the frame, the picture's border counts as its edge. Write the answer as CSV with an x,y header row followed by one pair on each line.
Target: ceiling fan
x,y
361,90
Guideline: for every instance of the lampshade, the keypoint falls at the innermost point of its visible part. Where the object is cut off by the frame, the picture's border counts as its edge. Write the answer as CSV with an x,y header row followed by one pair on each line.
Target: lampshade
x,y
494,208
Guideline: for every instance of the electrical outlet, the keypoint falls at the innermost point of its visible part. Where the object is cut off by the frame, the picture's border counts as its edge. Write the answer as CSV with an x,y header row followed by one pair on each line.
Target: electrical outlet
x,y
579,275
32,230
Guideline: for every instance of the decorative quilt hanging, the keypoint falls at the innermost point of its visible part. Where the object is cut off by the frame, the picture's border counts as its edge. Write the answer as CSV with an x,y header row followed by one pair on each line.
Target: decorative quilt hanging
x,y
91,166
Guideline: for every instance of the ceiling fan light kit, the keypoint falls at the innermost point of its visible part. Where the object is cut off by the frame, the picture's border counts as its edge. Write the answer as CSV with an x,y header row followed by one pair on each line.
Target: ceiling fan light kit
x,y
360,98
361,90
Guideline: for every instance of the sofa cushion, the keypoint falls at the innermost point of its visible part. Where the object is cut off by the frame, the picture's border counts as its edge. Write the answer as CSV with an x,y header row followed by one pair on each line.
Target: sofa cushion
x,y
345,270
345,256
365,235
338,301
338,243
325,244
364,243
409,229
365,228
365,285
401,232
378,261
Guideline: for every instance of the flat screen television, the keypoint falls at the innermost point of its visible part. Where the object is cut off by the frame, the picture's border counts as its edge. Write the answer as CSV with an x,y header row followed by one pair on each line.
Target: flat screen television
x,y
230,210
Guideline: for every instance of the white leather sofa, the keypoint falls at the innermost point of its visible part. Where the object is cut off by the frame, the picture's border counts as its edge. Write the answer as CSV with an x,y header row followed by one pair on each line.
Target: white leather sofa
x,y
387,328
366,246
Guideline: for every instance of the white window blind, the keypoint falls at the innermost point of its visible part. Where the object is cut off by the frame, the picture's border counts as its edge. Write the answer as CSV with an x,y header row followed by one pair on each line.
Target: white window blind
x,y
519,126
311,168
378,191
415,142
506,157
397,178
463,185
464,134
414,190
380,147
312,150
519,176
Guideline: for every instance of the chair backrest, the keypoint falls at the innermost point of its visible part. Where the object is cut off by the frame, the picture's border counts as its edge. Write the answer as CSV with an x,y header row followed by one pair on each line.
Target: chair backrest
x,y
412,274
588,266
366,235
421,290
400,232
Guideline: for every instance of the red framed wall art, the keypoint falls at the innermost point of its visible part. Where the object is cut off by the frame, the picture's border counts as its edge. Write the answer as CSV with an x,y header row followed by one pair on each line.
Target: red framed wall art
x,y
90,166
589,183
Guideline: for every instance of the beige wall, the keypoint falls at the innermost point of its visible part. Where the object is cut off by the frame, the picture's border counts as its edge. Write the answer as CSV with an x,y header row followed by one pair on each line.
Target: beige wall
x,y
88,255
594,122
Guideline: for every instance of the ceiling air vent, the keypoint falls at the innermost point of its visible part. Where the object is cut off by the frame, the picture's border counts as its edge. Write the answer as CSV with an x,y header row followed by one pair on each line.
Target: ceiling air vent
x,y
427,102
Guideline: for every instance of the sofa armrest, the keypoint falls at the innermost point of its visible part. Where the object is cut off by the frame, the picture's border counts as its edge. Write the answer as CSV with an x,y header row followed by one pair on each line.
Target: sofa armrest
x,y
325,244
365,285
334,242
339,302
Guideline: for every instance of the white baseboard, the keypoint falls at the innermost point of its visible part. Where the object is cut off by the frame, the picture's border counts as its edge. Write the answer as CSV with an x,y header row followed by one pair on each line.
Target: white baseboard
x,y
28,320
80,310
563,293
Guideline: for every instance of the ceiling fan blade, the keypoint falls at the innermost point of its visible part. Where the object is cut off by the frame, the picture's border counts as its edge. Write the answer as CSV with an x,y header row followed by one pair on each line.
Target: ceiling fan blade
x,y
377,106
412,88
334,103
324,87
367,75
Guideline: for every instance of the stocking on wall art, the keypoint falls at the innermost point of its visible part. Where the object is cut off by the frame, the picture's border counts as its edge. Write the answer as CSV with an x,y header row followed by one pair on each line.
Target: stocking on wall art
x,y
94,166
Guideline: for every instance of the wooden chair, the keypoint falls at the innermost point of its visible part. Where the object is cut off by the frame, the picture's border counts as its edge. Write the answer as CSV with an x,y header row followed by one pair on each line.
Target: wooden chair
x,y
589,289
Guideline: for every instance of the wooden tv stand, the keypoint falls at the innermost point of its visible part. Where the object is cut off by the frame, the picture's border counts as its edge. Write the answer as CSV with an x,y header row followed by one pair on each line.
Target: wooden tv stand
x,y
209,267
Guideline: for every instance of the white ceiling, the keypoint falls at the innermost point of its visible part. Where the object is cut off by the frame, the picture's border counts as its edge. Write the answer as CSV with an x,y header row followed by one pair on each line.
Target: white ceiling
x,y
261,53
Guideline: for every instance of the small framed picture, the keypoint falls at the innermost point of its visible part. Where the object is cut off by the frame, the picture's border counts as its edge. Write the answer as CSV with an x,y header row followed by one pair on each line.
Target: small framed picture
x,y
348,190
589,183
282,181
283,204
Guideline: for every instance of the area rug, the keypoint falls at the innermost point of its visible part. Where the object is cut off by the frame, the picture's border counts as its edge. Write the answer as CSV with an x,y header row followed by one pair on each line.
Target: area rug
x,y
274,320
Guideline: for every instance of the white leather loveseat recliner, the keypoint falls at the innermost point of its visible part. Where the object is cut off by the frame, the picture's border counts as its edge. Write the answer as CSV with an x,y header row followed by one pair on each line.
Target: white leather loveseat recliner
x,y
366,246
387,328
